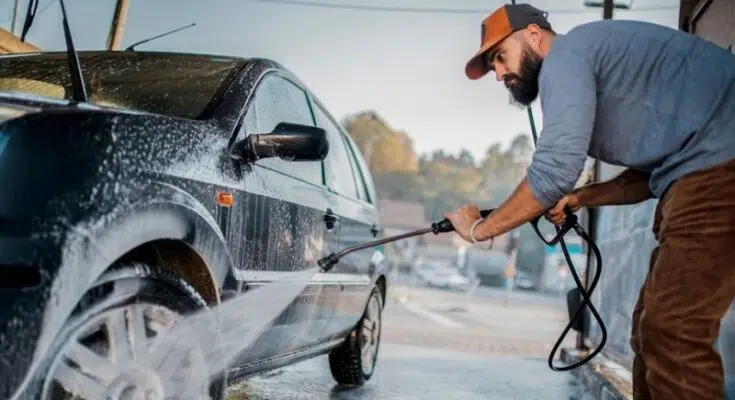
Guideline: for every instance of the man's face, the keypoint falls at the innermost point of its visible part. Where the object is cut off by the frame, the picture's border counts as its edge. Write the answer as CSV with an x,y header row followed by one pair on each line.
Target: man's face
x,y
518,66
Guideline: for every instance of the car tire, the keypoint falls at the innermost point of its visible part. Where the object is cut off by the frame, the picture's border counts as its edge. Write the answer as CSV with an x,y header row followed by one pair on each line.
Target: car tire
x,y
348,362
158,299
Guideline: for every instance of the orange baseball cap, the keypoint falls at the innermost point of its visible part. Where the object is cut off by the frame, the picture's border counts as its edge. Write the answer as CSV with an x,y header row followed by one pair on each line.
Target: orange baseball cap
x,y
498,26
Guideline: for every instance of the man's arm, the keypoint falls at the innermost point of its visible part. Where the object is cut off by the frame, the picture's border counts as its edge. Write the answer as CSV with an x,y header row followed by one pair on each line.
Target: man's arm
x,y
568,94
519,208
630,187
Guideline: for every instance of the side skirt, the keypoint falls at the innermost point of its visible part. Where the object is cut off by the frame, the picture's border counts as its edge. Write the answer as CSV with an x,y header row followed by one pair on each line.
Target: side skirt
x,y
240,373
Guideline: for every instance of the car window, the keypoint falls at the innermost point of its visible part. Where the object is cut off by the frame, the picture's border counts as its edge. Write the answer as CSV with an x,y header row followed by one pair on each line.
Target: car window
x,y
363,172
361,192
278,100
339,174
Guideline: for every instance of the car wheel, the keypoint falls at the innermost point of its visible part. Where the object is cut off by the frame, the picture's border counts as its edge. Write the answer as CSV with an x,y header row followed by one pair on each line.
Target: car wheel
x,y
99,353
354,361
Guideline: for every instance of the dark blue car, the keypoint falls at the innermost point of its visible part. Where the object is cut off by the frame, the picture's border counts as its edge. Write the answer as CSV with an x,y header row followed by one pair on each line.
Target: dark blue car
x,y
184,181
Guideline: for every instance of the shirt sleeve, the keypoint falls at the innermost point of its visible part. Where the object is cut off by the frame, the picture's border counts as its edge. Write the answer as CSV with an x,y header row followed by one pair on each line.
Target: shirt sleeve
x,y
568,95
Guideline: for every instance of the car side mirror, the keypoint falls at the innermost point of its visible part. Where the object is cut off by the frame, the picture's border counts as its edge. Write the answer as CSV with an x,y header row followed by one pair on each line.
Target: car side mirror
x,y
288,141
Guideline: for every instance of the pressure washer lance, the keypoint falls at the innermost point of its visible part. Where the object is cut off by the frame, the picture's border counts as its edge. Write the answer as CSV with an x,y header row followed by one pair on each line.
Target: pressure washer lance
x,y
569,223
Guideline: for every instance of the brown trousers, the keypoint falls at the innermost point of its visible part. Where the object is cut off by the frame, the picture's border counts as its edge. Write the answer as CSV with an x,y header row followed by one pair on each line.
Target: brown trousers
x,y
689,288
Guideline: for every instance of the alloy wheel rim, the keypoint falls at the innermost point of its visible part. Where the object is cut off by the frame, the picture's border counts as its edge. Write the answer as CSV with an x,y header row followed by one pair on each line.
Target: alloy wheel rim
x,y
113,356
370,332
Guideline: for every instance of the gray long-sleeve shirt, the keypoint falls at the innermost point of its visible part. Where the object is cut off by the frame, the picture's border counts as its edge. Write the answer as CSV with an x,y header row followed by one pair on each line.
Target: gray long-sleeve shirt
x,y
632,94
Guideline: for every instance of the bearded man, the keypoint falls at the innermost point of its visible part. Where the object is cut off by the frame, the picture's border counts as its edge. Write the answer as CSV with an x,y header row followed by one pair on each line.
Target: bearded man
x,y
661,103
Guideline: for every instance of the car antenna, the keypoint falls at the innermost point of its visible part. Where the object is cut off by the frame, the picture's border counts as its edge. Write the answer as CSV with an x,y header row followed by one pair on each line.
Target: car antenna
x,y
79,92
30,15
131,47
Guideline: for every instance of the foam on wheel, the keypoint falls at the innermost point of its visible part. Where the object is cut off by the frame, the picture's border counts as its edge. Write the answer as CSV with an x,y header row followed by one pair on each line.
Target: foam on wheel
x,y
353,362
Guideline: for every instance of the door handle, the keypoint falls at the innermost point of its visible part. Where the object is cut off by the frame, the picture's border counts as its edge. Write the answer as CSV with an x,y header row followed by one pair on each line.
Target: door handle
x,y
374,230
330,219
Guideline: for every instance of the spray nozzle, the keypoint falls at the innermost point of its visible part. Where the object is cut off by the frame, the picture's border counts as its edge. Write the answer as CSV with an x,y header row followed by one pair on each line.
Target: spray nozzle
x,y
326,263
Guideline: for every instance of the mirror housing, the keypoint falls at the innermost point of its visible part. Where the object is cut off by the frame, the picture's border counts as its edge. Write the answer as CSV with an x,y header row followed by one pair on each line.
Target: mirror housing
x,y
288,141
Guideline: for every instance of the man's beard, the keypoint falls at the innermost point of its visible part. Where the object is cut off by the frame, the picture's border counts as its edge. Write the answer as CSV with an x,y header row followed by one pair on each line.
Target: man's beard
x,y
524,88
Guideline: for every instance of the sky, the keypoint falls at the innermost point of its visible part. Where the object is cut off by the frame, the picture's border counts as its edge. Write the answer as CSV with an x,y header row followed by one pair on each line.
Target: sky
x,y
409,67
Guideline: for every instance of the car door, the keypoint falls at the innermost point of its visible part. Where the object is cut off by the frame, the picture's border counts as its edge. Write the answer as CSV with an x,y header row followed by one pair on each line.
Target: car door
x,y
280,224
358,220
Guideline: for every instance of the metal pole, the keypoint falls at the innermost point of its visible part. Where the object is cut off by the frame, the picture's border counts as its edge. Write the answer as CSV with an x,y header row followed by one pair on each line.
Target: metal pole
x,y
607,13
118,25
607,9
15,17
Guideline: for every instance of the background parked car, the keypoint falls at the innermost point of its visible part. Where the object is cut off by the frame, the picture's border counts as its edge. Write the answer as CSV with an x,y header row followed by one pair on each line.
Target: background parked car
x,y
524,280
443,275
185,180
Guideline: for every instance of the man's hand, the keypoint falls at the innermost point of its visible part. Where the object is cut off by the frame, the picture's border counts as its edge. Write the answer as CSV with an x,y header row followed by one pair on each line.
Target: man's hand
x,y
462,220
630,187
557,215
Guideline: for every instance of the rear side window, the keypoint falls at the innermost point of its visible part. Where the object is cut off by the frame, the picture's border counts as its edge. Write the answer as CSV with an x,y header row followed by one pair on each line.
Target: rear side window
x,y
338,169
361,191
362,172
279,100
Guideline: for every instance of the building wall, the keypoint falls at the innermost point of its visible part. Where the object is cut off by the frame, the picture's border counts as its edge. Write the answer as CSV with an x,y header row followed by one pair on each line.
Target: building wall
x,y
625,239
624,234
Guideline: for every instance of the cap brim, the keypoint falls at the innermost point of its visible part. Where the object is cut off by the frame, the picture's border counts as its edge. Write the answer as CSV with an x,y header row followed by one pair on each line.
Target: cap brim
x,y
476,67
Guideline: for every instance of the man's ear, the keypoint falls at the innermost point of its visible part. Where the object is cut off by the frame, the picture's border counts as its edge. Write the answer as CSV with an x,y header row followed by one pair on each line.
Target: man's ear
x,y
534,35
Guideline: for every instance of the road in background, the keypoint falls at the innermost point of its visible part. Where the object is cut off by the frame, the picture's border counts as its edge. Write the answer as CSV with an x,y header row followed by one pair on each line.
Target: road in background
x,y
443,345
481,324
492,292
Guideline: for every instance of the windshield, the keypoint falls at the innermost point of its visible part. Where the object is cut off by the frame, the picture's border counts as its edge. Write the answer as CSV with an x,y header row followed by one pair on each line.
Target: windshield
x,y
177,85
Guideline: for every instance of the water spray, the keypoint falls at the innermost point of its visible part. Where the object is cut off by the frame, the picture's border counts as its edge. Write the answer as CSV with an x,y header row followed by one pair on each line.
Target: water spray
x,y
570,223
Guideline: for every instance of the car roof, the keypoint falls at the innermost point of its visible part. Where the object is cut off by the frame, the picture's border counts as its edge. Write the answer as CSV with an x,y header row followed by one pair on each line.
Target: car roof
x,y
154,64
249,66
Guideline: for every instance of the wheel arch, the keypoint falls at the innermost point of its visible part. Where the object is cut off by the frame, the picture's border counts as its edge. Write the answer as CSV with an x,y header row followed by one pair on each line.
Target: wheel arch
x,y
179,258
175,236
171,221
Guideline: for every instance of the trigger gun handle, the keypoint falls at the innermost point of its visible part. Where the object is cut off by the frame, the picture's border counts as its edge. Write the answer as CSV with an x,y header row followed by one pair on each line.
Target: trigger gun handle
x,y
446,226
570,222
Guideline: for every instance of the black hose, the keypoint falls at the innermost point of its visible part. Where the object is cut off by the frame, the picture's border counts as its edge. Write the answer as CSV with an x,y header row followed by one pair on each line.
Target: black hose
x,y
585,296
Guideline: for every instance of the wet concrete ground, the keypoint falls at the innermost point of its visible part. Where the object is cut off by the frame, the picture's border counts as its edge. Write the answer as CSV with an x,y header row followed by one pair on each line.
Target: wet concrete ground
x,y
442,345
408,372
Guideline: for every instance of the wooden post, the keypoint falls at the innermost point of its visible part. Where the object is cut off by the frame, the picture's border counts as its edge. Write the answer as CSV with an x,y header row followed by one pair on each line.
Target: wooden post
x,y
10,43
14,23
118,25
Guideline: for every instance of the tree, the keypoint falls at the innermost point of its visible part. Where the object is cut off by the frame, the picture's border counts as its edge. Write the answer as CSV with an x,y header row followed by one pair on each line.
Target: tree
x,y
384,149
466,159
399,185
393,153
520,146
